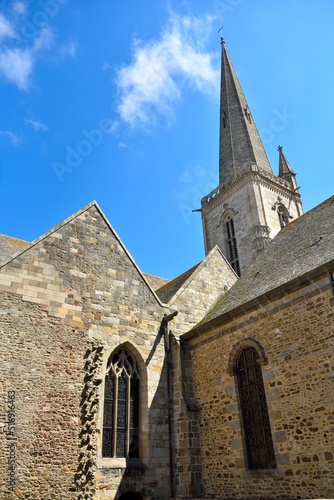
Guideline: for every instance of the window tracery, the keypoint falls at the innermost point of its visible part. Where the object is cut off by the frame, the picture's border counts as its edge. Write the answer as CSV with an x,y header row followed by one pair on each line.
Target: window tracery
x,y
121,407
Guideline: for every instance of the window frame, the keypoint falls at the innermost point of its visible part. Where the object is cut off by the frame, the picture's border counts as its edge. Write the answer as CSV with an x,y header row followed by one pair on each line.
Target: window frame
x,y
231,243
248,473
254,411
143,434
283,216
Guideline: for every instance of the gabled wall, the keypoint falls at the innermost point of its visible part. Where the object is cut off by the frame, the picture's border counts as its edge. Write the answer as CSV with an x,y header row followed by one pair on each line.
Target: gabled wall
x,y
66,303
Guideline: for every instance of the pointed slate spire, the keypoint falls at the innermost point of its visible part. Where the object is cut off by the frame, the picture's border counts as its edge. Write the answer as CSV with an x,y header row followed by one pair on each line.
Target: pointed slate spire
x,y
284,169
240,144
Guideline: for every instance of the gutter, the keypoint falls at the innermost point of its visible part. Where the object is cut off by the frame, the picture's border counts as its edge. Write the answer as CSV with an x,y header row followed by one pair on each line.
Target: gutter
x,y
168,356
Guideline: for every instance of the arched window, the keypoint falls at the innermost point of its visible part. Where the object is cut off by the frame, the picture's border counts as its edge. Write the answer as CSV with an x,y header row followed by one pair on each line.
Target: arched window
x,y
232,244
255,418
283,216
121,407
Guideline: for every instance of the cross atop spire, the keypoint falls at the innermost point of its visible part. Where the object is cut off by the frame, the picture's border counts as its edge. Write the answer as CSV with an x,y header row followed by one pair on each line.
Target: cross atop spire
x,y
240,142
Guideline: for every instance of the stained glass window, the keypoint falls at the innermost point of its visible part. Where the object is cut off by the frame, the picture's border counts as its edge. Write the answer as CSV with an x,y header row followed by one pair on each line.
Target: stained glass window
x,y
255,417
121,407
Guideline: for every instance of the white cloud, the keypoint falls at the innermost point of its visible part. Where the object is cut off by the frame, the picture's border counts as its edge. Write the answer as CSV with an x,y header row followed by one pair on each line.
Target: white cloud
x,y
16,63
16,66
161,69
20,7
14,138
6,28
69,50
36,125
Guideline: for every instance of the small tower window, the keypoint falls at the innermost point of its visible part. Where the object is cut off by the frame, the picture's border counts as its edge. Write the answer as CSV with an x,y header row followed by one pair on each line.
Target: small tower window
x,y
255,417
232,245
282,216
121,407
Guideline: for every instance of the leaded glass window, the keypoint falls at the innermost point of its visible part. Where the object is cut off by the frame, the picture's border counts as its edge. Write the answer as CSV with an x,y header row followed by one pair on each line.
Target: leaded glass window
x,y
258,439
232,245
121,407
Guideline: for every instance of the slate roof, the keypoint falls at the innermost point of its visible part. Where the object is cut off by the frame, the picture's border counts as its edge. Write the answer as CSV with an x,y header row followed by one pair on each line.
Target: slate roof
x,y
155,281
302,246
167,292
10,246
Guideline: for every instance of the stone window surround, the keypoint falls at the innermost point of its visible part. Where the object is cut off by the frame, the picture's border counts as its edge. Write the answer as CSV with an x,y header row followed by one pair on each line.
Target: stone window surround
x,y
125,463
277,472
228,219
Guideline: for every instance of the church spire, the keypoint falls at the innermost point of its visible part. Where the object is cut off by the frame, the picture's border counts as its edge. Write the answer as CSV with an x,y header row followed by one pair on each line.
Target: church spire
x,y
251,204
284,169
240,144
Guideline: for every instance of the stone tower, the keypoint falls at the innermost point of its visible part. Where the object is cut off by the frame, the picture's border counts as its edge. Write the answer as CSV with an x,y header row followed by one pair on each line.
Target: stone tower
x,y
251,204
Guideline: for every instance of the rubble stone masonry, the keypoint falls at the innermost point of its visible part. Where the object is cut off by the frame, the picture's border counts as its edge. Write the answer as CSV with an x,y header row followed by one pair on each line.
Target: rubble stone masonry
x,y
295,331
66,304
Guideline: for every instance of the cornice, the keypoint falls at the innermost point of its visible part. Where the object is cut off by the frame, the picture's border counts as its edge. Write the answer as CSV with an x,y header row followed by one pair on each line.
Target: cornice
x,y
220,194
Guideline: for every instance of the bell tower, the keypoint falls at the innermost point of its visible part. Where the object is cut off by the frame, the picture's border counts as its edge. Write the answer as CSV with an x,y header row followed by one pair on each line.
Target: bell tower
x,y
251,204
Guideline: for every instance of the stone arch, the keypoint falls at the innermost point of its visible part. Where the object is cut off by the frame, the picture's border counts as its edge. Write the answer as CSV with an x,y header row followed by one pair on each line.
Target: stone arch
x,y
283,213
143,401
240,346
135,353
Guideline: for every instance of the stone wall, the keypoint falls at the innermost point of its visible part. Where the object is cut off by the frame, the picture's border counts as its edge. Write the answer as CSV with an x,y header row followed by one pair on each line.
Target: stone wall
x,y
211,279
295,331
251,201
65,304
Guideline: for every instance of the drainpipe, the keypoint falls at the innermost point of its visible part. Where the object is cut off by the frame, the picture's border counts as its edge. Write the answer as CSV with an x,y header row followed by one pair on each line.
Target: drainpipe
x,y
168,354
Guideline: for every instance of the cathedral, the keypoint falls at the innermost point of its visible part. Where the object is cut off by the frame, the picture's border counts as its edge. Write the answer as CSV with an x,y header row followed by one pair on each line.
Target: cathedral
x,y
218,384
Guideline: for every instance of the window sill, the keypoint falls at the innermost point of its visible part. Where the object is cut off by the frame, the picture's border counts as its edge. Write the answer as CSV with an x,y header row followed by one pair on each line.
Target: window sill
x,y
126,464
276,473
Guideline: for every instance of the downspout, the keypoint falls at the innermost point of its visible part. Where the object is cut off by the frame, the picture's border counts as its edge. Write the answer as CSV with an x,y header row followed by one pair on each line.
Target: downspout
x,y
168,355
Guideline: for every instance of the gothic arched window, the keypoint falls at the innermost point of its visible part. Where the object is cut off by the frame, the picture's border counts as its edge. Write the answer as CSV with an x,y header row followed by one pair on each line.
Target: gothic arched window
x,y
232,244
121,407
255,417
283,216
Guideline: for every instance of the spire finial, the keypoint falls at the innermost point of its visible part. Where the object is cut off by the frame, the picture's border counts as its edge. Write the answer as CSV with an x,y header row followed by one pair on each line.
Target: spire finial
x,y
280,149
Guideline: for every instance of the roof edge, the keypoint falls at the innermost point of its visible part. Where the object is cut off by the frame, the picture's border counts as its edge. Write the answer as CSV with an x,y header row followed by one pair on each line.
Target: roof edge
x,y
198,268
70,219
258,301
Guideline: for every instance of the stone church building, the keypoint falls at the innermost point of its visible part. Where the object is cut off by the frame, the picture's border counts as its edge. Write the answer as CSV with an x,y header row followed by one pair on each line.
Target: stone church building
x,y
115,384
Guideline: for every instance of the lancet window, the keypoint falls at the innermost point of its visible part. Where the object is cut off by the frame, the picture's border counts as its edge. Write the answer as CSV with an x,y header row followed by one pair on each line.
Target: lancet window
x,y
255,417
121,407
232,245
283,216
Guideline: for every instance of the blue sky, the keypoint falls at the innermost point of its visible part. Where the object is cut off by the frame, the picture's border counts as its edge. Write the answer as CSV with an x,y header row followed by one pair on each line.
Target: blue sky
x,y
118,101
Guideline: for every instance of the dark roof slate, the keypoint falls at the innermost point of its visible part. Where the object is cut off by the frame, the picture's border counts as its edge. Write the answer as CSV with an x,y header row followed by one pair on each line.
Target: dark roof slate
x,y
167,292
155,281
302,246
